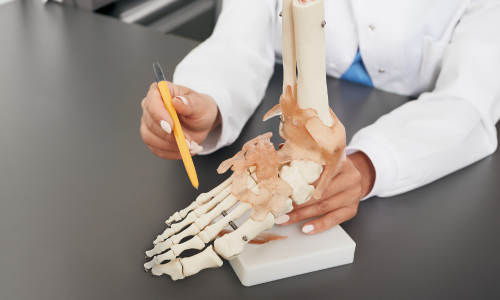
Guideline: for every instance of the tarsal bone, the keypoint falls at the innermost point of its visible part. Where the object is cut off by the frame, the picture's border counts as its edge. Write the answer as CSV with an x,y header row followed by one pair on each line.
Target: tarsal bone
x,y
231,245
288,207
293,175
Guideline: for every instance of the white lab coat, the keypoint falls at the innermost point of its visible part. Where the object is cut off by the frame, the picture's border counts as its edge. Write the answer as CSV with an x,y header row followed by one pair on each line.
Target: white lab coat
x,y
446,51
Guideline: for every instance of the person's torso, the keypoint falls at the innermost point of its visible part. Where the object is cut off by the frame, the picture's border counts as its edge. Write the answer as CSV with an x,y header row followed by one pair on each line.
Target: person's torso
x,y
401,42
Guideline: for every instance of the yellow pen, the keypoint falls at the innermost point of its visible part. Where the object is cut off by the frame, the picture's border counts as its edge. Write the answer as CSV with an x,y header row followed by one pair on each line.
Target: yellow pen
x,y
179,135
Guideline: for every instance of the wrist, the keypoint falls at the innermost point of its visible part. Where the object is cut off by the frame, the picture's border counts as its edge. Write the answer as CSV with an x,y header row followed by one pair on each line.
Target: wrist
x,y
365,167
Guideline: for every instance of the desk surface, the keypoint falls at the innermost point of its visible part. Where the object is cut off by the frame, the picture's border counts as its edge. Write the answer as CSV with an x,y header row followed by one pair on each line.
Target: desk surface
x,y
81,198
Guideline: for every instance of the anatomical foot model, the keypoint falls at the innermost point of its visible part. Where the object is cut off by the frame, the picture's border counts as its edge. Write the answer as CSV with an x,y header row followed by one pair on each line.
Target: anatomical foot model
x,y
265,181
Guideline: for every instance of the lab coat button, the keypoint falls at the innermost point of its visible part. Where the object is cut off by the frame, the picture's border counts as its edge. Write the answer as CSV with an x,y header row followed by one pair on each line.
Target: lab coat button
x,y
371,27
381,71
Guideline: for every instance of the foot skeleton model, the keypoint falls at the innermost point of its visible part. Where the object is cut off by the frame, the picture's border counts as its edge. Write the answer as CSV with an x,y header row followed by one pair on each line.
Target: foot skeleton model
x,y
265,181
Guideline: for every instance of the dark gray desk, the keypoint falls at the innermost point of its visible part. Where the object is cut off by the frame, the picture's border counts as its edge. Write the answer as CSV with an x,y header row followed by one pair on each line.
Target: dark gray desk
x,y
81,198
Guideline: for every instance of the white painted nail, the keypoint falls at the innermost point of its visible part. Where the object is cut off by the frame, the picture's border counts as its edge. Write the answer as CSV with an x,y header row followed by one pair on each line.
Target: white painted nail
x,y
307,228
194,145
189,144
282,219
197,150
184,100
165,126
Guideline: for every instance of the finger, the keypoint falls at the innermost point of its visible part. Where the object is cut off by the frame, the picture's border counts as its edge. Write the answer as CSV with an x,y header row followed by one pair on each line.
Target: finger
x,y
165,154
330,220
156,109
317,209
156,138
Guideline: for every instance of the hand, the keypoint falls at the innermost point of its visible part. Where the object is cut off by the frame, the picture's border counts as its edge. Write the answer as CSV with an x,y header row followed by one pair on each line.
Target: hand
x,y
340,200
198,115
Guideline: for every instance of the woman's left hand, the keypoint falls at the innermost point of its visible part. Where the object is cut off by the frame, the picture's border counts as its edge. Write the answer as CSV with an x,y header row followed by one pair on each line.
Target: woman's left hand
x,y
340,200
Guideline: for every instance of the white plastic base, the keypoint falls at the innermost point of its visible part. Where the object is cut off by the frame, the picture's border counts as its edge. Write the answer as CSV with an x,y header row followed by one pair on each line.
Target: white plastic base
x,y
299,254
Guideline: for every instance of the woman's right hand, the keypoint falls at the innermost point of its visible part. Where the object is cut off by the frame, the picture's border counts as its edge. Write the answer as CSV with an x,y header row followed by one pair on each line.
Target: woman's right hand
x,y
198,115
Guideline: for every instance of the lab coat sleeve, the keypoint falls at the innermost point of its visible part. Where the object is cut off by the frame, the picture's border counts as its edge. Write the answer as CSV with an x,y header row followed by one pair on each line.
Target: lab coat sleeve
x,y
233,66
450,127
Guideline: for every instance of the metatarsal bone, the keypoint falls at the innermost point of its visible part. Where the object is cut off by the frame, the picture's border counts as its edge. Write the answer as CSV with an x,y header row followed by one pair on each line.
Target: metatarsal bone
x,y
210,232
159,248
232,244
225,205
173,268
159,259
191,230
205,197
194,243
212,203
204,260
192,206
191,217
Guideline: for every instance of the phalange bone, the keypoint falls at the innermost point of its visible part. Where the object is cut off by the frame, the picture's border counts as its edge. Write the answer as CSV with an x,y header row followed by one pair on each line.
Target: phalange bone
x,y
225,205
212,203
165,235
210,232
192,206
173,268
159,248
203,260
309,170
194,243
231,245
191,217
206,197
302,191
159,259
191,230
173,218
288,207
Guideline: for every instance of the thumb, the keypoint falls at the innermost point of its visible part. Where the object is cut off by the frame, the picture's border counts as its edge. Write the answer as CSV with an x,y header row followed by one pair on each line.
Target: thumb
x,y
190,106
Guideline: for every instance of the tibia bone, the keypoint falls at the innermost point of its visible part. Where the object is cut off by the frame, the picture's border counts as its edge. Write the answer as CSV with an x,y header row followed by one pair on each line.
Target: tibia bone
x,y
159,259
203,260
191,230
159,248
173,268
165,235
191,217
194,243
231,245
210,232
183,212
288,207
205,197
225,205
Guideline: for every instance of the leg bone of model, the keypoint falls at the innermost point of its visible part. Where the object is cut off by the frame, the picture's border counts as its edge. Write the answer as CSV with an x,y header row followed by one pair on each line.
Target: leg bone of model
x,y
180,268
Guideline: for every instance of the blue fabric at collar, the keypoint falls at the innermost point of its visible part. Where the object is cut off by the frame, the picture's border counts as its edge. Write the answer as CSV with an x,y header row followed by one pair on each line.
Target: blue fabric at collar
x,y
357,72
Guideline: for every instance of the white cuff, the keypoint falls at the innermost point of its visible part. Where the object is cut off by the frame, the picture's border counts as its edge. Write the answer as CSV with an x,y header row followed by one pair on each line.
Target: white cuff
x,y
221,135
382,160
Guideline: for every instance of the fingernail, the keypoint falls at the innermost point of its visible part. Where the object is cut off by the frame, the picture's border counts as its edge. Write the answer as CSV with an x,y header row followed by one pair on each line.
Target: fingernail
x,y
184,100
307,228
194,145
165,126
282,219
197,150
189,144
